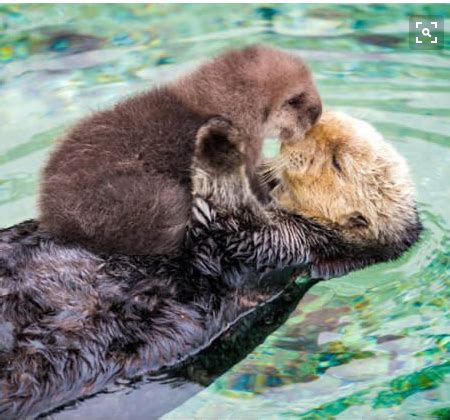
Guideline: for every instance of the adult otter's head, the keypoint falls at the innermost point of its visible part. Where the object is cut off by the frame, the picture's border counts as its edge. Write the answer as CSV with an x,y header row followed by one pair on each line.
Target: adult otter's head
x,y
262,90
345,175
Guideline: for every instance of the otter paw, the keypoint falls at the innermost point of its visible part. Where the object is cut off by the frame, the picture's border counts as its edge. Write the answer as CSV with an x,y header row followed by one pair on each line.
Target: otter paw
x,y
219,145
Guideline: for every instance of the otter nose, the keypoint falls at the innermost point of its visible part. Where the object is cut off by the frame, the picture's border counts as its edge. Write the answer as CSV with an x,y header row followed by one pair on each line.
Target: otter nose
x,y
314,113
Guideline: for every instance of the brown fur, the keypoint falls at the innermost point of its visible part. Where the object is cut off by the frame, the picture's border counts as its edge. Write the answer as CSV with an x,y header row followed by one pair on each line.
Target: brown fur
x,y
344,174
119,181
72,321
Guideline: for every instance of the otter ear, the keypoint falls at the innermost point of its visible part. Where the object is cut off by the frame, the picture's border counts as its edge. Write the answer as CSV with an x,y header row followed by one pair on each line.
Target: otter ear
x,y
355,220
219,145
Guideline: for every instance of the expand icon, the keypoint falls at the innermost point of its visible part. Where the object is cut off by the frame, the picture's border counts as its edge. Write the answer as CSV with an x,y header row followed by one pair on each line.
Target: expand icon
x,y
426,32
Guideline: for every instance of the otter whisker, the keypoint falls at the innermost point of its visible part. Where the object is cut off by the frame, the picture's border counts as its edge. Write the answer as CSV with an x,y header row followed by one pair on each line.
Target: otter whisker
x,y
271,170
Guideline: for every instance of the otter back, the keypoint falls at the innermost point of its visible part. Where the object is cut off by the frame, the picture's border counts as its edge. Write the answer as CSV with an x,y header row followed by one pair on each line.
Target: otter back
x,y
119,181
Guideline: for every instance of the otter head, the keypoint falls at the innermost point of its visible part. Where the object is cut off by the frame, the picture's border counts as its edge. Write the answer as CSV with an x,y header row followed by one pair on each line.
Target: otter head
x,y
263,90
345,175
292,102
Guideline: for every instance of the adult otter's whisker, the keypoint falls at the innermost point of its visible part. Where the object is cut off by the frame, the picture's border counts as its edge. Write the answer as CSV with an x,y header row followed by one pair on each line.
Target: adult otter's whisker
x,y
271,169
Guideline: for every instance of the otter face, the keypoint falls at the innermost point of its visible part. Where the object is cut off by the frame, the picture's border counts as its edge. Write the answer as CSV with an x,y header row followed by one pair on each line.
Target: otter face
x,y
288,97
296,110
344,174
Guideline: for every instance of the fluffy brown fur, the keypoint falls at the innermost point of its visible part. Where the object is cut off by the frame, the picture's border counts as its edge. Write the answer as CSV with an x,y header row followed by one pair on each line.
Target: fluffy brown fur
x,y
119,181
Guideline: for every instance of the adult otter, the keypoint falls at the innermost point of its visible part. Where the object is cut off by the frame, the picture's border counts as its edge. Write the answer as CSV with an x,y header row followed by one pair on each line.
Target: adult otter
x,y
119,181
71,320
344,175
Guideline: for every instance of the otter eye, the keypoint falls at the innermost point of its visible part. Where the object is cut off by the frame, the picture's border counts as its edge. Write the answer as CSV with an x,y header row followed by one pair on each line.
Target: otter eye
x,y
296,101
336,164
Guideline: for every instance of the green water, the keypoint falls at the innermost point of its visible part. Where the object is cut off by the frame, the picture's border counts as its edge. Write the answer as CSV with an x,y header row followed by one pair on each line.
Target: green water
x,y
374,344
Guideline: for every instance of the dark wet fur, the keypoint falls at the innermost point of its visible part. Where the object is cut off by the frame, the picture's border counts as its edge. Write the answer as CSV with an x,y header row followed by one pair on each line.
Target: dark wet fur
x,y
240,339
204,367
71,321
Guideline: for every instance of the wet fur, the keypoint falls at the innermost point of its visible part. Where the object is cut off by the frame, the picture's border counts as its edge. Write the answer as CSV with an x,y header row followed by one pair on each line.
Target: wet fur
x,y
119,181
71,320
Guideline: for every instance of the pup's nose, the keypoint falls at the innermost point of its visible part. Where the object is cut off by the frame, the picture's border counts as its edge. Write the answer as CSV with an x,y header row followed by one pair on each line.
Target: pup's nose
x,y
314,113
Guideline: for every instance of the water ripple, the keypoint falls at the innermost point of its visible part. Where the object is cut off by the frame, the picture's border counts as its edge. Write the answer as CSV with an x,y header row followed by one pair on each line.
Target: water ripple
x,y
375,343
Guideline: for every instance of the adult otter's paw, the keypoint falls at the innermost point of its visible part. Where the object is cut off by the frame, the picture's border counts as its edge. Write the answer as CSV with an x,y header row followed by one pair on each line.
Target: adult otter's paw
x,y
219,147
218,171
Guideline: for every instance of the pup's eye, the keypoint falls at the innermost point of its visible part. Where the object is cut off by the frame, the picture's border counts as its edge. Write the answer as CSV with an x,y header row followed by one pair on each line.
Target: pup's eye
x,y
336,164
296,101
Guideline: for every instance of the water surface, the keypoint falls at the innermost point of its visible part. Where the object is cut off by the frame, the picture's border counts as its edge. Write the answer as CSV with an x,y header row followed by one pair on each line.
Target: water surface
x,y
373,344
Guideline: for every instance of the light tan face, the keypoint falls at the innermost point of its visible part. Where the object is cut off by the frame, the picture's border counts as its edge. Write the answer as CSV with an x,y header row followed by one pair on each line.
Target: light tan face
x,y
344,173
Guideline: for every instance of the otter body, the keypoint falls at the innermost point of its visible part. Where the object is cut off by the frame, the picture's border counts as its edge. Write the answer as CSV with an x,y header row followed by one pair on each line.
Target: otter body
x,y
119,181
72,320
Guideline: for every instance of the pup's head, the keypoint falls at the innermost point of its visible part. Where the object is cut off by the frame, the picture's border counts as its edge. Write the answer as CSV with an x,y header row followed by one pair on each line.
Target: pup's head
x,y
292,102
345,175
257,88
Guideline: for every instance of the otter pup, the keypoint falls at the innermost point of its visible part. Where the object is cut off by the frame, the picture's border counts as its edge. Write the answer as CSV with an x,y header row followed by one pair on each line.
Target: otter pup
x,y
71,321
119,181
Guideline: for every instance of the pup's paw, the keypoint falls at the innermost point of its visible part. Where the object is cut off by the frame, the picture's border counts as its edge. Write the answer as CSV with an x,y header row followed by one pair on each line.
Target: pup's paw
x,y
219,146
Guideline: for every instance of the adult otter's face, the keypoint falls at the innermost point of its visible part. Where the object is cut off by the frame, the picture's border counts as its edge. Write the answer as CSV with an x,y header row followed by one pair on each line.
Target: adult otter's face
x,y
296,109
343,173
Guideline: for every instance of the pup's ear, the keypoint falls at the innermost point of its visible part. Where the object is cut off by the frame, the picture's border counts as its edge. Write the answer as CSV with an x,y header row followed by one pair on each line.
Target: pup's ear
x,y
354,220
219,145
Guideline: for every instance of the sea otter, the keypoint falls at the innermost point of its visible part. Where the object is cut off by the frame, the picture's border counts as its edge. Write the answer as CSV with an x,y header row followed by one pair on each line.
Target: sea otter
x,y
346,176
119,181
71,320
